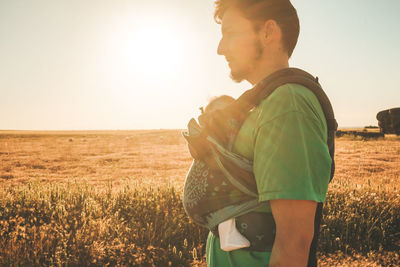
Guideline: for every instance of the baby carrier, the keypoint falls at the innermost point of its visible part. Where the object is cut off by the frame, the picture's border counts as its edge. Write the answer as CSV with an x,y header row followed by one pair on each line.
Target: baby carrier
x,y
220,184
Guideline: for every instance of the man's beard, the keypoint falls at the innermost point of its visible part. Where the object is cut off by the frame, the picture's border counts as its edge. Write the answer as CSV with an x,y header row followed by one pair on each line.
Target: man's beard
x,y
241,75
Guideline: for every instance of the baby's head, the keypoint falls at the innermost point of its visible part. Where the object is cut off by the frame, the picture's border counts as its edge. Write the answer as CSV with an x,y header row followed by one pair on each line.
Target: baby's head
x,y
219,102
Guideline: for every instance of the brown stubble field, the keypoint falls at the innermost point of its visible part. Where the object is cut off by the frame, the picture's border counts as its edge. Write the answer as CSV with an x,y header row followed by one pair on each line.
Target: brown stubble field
x,y
376,162
159,158
150,157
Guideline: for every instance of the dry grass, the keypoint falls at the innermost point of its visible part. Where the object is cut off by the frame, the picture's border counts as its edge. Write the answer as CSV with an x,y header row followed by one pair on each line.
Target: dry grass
x,y
373,163
118,168
151,157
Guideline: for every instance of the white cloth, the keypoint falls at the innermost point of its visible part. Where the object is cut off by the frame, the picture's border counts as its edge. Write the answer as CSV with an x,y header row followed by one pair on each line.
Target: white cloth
x,y
229,236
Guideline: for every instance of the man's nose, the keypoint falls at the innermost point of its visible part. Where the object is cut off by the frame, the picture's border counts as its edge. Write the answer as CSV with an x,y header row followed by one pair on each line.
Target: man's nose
x,y
221,48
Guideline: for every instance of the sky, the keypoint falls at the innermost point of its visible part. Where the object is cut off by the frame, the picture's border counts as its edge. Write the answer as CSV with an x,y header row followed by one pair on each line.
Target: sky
x,y
130,64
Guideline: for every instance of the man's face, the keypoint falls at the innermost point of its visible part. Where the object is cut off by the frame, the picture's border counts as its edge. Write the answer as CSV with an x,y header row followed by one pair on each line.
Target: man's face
x,y
240,44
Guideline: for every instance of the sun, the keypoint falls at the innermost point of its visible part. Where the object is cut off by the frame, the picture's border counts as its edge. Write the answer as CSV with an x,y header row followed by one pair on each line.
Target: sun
x,y
153,51
148,59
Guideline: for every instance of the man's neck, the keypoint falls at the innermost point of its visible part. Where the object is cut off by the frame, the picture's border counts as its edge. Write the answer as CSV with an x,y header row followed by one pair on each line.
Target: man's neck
x,y
264,70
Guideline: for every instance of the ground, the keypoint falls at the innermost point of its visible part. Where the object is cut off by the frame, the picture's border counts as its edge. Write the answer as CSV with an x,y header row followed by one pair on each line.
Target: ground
x,y
160,158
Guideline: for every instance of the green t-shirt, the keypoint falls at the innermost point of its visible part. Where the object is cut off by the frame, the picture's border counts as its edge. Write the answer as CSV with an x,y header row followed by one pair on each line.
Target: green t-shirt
x,y
286,137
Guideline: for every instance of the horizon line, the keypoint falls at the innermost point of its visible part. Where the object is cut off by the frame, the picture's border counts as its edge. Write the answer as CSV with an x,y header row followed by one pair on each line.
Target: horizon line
x,y
139,129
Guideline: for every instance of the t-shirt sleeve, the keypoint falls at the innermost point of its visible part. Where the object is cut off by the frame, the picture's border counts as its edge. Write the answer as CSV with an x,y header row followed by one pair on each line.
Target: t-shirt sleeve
x,y
291,158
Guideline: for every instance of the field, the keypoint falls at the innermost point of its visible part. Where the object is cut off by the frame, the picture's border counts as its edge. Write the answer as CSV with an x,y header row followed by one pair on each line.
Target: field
x,y
105,198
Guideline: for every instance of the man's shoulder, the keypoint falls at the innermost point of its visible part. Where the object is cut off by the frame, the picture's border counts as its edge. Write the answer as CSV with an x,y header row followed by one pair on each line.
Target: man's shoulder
x,y
290,98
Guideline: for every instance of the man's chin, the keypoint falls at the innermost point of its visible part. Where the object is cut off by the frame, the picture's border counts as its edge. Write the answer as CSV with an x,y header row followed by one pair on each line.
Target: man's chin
x,y
237,77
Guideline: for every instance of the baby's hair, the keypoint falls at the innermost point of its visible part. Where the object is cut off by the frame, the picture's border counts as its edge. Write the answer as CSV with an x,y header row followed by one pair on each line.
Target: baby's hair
x,y
218,102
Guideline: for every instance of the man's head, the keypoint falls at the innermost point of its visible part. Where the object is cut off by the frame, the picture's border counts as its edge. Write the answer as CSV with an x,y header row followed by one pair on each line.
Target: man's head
x,y
256,33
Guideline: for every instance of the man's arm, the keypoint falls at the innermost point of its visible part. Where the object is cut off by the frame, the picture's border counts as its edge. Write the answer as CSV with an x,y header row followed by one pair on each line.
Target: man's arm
x,y
294,221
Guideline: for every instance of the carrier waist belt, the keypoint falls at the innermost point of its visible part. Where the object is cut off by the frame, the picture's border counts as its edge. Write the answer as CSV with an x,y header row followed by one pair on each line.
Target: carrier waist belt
x,y
258,227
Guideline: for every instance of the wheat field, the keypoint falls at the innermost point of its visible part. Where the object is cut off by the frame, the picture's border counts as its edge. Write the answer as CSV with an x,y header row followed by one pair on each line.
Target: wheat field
x,y
107,198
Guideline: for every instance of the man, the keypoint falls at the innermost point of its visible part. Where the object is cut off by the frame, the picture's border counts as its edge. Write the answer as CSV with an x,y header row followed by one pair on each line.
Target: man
x,y
285,136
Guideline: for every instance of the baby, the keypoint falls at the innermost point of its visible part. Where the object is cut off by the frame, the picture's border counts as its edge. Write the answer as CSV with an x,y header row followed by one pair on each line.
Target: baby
x,y
230,238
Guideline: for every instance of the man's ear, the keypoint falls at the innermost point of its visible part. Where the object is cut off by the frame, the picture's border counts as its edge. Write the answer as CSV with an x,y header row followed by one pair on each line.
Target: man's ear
x,y
270,32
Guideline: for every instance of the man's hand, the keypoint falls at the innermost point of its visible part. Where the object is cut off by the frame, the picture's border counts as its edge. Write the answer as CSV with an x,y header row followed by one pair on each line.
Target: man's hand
x,y
294,221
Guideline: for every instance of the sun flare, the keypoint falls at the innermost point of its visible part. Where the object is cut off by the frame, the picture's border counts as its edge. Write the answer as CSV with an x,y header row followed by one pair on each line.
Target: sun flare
x,y
152,51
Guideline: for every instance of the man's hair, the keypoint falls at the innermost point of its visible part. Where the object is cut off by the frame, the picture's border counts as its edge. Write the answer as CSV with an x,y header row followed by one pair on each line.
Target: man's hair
x,y
258,11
